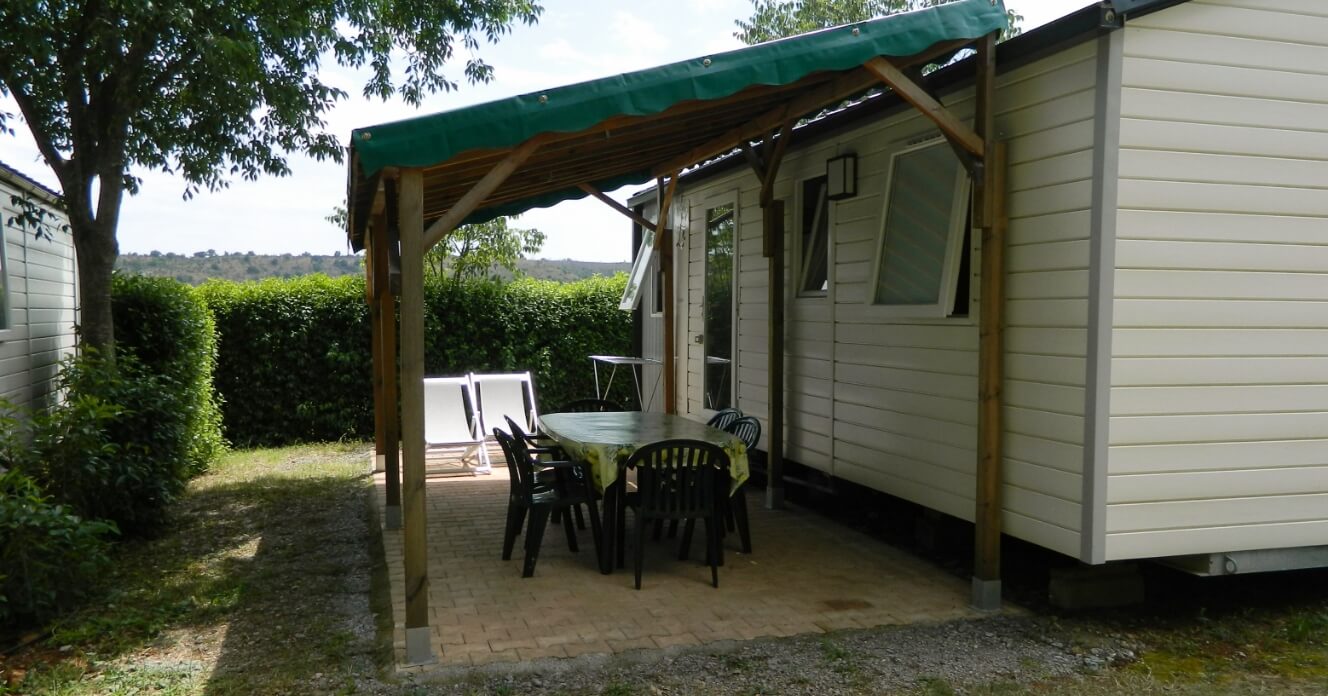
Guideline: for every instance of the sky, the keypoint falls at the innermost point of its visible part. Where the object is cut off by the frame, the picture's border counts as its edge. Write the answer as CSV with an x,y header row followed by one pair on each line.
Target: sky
x,y
574,40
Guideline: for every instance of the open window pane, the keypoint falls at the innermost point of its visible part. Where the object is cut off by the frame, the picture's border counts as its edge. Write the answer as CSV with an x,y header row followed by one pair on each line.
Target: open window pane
x,y
923,217
814,274
631,293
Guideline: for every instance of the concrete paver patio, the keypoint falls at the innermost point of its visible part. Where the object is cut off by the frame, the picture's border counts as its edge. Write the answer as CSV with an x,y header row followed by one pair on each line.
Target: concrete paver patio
x,y
806,574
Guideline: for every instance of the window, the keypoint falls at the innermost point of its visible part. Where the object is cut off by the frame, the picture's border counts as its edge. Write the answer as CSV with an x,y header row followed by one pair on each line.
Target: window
x,y
631,293
657,308
4,284
814,226
922,238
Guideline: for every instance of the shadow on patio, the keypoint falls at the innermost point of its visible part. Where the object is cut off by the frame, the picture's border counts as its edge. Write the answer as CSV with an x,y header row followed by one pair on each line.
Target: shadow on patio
x,y
806,574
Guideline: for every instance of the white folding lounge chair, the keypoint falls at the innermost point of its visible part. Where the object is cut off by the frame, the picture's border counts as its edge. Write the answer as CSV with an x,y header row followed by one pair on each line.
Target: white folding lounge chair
x,y
451,421
505,396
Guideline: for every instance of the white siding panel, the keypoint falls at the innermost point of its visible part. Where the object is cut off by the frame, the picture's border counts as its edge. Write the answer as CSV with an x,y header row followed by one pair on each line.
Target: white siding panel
x,y
1200,485
1219,400
1214,539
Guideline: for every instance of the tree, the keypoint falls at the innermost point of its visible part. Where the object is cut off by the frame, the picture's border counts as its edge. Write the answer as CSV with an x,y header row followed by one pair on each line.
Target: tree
x,y
209,89
470,251
775,19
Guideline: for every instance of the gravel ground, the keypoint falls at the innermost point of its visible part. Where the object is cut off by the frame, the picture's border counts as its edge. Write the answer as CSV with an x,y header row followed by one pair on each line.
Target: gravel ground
x,y
944,658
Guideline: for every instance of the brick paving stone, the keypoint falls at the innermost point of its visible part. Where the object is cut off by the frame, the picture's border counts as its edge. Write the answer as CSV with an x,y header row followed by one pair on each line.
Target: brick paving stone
x,y
680,639
596,647
538,653
483,611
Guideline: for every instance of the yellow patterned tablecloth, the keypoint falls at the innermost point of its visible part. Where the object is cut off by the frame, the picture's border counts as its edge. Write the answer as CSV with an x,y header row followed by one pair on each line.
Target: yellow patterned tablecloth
x,y
605,440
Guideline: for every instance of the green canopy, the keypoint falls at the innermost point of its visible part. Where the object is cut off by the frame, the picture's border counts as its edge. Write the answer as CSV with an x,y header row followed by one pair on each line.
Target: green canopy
x,y
471,133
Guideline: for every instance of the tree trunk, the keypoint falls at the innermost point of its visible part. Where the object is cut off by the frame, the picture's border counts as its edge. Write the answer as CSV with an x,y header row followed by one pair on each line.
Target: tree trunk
x,y
97,251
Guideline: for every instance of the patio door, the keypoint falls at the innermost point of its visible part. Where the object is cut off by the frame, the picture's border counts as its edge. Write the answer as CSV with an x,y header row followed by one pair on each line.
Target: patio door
x,y
718,371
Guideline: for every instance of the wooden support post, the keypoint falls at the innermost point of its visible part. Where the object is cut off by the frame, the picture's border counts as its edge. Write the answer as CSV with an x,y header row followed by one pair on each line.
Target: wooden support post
x,y
375,343
419,643
664,245
989,217
670,350
385,378
774,224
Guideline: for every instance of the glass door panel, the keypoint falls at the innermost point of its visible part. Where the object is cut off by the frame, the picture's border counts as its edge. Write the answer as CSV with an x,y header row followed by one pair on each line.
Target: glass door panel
x,y
717,380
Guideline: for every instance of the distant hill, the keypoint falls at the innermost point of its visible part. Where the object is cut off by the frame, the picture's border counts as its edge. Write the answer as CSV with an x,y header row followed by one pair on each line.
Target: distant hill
x,y
196,268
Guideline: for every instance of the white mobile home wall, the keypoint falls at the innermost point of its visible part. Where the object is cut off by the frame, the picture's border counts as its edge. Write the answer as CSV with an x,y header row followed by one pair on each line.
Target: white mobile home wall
x,y
891,403
1219,370
41,293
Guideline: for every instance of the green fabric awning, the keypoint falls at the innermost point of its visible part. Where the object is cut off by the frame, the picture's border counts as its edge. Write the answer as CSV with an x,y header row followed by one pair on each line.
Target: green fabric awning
x,y
431,141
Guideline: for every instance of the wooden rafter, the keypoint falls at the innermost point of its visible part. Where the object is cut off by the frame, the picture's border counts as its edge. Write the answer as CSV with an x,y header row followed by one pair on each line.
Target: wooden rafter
x,y
911,92
481,190
842,87
772,163
631,214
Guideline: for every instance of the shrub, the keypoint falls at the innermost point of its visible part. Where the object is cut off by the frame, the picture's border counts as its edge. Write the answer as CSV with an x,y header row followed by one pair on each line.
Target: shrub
x,y
116,448
171,331
295,359
294,362
48,555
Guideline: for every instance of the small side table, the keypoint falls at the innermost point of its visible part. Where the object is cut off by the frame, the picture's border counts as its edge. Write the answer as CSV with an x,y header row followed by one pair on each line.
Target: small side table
x,y
634,365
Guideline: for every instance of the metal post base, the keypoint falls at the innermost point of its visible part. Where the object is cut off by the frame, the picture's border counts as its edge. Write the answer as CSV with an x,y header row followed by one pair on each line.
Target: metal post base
x,y
774,498
986,594
392,517
379,464
419,646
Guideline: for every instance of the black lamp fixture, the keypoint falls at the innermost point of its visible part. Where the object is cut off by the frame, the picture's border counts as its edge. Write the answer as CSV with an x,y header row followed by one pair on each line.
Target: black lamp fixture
x,y
841,175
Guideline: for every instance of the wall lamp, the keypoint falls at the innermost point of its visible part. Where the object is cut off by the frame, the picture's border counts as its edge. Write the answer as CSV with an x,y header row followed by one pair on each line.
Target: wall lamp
x,y
841,175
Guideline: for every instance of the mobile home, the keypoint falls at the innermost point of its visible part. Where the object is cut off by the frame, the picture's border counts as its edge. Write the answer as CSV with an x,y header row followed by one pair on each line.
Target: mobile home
x,y
1165,388
38,288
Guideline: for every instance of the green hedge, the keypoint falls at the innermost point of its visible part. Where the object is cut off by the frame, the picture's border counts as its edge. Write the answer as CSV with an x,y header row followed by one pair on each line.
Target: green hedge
x,y
164,324
294,361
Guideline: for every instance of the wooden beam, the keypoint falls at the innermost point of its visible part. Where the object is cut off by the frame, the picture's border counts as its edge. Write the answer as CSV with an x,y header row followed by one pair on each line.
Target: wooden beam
x,y
753,159
664,201
774,486
415,543
910,92
773,161
841,87
989,194
664,245
665,241
984,121
631,214
386,419
481,190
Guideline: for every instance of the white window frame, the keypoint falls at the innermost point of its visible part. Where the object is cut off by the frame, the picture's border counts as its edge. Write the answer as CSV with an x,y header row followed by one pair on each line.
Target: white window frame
x,y
940,309
6,314
800,275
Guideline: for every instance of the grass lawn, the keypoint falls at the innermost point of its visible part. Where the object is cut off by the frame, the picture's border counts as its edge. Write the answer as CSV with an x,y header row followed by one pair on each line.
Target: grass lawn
x,y
267,581
258,586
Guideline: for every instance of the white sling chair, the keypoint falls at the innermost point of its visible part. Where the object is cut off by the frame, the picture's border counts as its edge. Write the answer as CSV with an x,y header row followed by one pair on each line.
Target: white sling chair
x,y
505,396
451,420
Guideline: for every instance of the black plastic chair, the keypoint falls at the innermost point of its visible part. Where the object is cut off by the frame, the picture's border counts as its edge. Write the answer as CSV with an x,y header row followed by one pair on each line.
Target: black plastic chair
x,y
678,480
590,406
538,446
747,429
722,419
529,495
